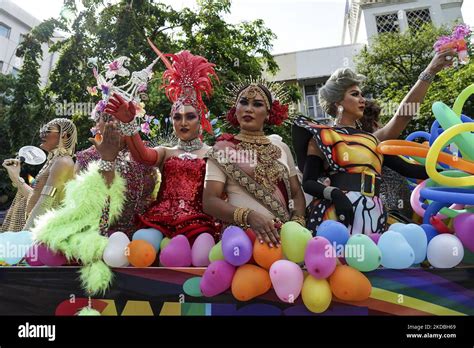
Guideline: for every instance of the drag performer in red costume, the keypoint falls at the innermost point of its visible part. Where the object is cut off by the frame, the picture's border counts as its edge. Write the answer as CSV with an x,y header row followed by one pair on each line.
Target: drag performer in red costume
x,y
178,208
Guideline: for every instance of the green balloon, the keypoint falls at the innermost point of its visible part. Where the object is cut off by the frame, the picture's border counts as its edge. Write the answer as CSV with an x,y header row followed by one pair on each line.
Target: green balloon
x,y
164,243
294,239
362,253
216,252
191,287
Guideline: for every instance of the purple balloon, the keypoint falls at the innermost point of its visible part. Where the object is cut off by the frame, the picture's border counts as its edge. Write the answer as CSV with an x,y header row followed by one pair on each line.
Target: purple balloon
x,y
217,278
177,253
49,257
320,258
32,258
463,228
237,247
375,237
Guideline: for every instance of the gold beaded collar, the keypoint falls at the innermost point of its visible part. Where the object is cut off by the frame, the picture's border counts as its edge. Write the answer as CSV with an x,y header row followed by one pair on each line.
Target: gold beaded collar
x,y
253,137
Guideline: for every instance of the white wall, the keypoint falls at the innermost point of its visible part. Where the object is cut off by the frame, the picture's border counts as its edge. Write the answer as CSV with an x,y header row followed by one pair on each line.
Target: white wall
x,y
20,22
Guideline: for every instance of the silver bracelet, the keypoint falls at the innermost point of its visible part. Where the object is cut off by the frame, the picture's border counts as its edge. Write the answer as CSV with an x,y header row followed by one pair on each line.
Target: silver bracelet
x,y
128,129
327,192
426,76
106,166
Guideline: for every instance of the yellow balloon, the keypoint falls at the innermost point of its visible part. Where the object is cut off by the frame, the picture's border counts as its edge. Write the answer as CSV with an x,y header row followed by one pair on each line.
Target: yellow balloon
x,y
316,294
461,99
436,148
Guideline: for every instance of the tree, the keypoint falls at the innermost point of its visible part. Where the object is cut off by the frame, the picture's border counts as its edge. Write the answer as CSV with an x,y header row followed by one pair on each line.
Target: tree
x,y
238,50
392,64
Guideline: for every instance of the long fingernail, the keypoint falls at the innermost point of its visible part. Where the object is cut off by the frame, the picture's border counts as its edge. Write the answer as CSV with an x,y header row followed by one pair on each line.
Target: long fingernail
x,y
271,245
261,241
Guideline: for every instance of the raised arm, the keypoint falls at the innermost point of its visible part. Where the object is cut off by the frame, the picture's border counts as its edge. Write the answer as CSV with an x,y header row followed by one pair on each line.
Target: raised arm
x,y
410,105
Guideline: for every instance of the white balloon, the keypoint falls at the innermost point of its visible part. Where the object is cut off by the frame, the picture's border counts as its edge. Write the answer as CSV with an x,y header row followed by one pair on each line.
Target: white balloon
x,y
114,253
115,257
119,237
445,251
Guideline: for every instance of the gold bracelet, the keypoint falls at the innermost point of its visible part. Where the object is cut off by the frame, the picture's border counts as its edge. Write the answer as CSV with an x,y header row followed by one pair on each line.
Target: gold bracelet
x,y
237,216
49,191
246,215
299,219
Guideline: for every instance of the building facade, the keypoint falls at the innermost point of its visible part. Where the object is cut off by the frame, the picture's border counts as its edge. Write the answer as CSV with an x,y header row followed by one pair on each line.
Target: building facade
x,y
15,23
363,20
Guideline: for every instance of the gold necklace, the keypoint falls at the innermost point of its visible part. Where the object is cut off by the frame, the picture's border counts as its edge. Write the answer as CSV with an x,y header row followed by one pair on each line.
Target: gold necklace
x,y
253,137
268,170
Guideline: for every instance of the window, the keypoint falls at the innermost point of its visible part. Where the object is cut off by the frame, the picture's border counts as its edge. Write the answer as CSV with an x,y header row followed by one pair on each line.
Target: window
x,y
313,109
417,18
387,23
5,30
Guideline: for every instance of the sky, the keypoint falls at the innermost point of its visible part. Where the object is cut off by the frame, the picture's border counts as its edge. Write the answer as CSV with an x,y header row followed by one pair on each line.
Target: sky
x,y
298,24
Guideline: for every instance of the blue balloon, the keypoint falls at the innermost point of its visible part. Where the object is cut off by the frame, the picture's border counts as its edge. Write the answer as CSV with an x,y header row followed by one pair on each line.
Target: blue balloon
x,y
430,231
416,237
335,232
150,235
396,252
14,245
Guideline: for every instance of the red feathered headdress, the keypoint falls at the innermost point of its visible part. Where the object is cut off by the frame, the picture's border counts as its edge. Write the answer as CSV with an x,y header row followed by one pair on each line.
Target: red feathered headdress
x,y
186,80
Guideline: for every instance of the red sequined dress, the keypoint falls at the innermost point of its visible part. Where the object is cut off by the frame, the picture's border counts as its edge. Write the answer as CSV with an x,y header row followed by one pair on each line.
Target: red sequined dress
x,y
178,208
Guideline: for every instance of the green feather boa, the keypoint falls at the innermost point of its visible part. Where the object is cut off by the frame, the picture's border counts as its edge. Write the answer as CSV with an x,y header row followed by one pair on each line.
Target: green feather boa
x,y
73,228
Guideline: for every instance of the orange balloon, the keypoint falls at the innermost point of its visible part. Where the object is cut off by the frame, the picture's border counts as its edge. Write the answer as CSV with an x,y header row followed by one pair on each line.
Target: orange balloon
x,y
140,253
349,284
265,256
249,282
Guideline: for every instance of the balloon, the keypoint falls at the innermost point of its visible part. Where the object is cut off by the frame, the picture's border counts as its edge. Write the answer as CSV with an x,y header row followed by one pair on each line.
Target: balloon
x,y
316,294
430,232
448,119
201,248
461,99
463,225
14,245
177,253
150,235
250,281
164,243
115,253
217,278
375,237
141,253
31,256
191,287
397,226
294,238
416,237
320,258
396,252
349,284
445,251
236,246
251,234
49,257
265,256
336,233
362,253
216,252
287,280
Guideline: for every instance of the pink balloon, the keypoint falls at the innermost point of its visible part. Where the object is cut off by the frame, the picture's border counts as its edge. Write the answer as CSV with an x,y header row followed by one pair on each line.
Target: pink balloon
x,y
177,253
287,280
375,237
201,248
217,278
32,258
49,257
320,258
236,246
463,228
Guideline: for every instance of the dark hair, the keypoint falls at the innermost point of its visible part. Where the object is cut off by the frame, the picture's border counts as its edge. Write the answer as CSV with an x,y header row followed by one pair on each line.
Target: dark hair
x,y
371,115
